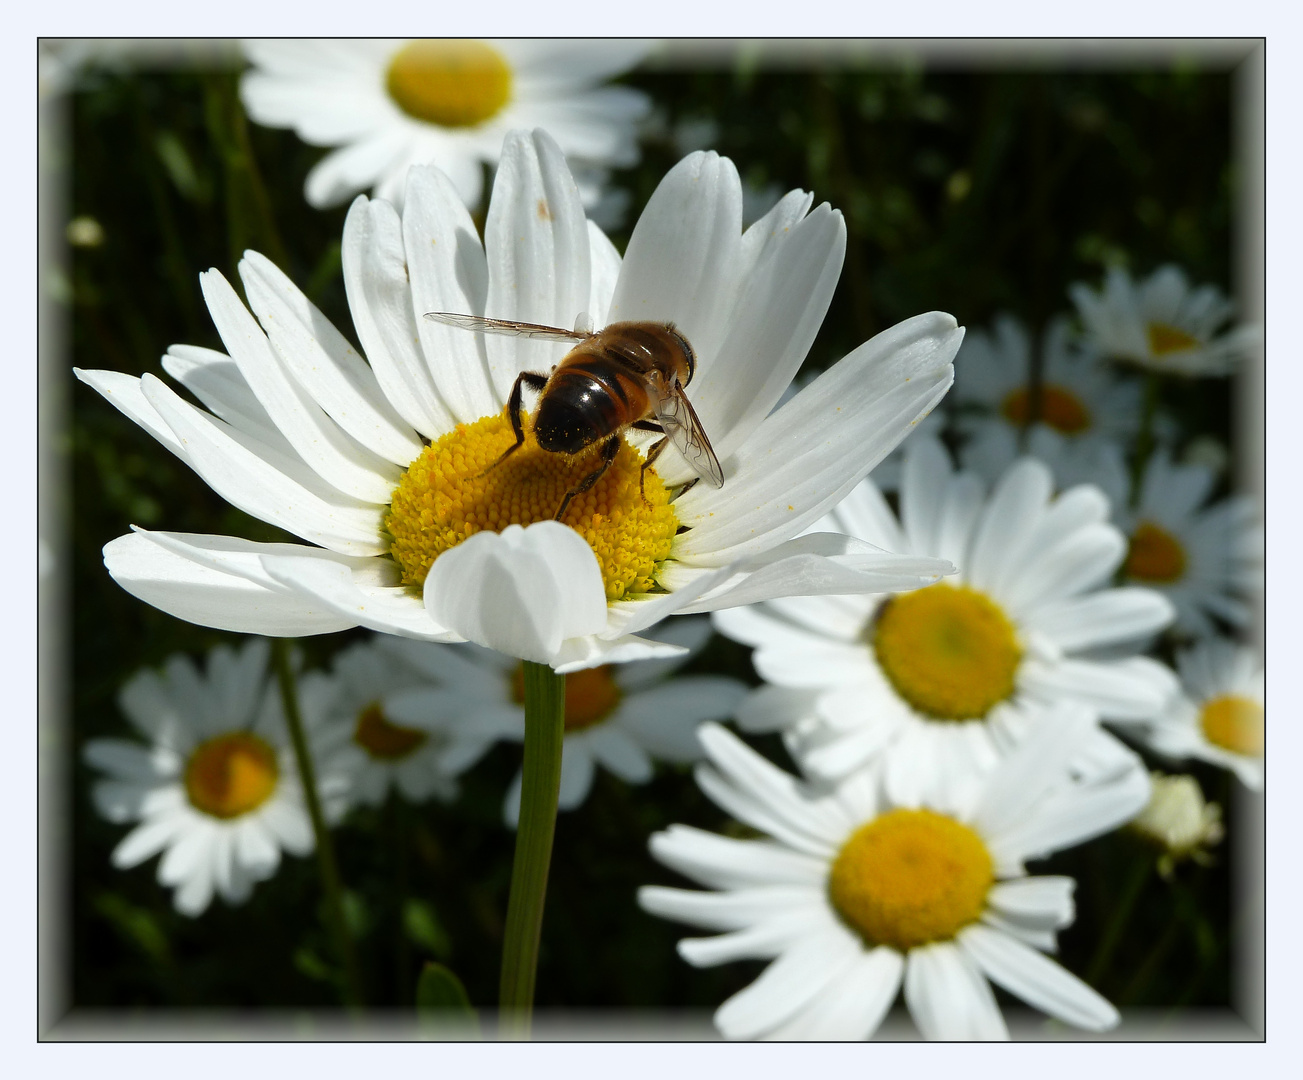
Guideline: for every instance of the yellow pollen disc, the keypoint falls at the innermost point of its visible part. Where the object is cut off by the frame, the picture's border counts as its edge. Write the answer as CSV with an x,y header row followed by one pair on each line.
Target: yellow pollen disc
x,y
231,774
1059,408
449,83
1155,555
382,738
948,651
1164,339
910,877
1234,723
591,695
451,492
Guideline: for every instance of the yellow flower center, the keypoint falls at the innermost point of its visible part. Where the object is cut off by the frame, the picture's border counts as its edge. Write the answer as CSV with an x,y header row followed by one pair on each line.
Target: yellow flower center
x,y
454,490
591,695
1234,723
1059,408
449,83
383,739
1155,555
948,650
1165,340
231,774
910,877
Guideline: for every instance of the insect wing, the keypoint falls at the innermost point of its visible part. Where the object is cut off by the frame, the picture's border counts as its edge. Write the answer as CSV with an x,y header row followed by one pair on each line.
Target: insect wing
x,y
481,325
678,418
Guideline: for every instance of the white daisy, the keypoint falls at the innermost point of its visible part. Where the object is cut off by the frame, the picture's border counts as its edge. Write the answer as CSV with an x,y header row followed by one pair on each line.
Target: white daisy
x,y
217,788
1080,397
378,753
617,717
853,894
1162,323
390,105
947,678
1179,822
388,466
1206,559
1220,713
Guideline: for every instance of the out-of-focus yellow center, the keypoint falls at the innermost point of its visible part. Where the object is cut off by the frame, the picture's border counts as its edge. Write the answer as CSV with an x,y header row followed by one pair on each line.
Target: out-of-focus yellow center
x,y
382,738
1234,723
910,877
591,695
447,495
1165,340
231,774
449,82
1155,555
948,650
1061,409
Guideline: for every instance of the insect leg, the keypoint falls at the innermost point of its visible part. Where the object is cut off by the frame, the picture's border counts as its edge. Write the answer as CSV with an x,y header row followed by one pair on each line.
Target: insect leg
x,y
609,449
652,455
534,382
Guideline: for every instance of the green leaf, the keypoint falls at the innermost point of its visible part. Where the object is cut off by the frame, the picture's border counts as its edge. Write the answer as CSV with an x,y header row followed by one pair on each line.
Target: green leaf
x,y
422,926
441,999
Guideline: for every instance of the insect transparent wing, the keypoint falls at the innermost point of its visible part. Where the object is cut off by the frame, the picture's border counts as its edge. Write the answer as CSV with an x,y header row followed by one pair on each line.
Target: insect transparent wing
x,y
677,417
481,325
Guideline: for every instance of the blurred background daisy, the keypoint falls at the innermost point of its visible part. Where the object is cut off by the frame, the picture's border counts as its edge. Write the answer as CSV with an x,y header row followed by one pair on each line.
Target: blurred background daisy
x,y
215,788
389,105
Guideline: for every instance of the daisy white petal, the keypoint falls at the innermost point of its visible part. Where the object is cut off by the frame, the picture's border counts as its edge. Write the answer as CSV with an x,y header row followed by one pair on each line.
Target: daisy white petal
x,y
1036,979
189,582
725,863
783,987
376,281
775,493
948,998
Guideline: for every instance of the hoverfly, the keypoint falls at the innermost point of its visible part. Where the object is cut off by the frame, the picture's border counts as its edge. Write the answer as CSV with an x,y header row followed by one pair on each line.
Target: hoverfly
x,y
628,375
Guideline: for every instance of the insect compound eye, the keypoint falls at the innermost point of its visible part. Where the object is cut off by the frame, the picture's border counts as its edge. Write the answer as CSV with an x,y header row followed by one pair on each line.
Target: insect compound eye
x,y
688,354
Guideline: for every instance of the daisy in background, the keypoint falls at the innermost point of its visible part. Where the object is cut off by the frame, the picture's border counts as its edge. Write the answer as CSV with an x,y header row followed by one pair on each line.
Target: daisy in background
x,y
1080,398
1085,412
946,680
376,753
1162,324
216,789
386,466
1220,713
1179,822
853,894
617,717
1206,559
389,105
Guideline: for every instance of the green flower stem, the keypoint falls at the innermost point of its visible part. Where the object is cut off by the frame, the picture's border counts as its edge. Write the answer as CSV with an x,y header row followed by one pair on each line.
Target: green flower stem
x,y
325,848
545,702
1145,437
1117,923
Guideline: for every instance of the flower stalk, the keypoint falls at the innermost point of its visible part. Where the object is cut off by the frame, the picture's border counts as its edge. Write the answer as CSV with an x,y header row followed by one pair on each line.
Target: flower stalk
x,y
541,784
352,988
